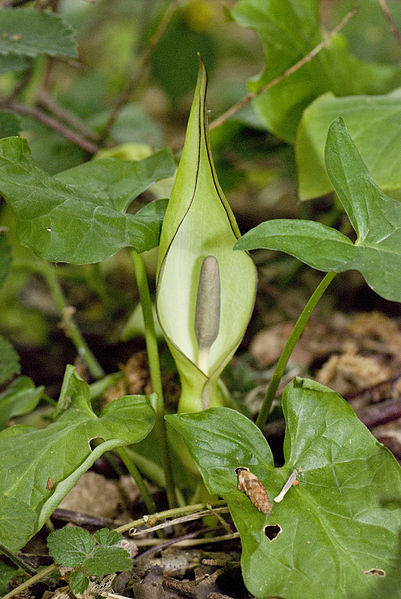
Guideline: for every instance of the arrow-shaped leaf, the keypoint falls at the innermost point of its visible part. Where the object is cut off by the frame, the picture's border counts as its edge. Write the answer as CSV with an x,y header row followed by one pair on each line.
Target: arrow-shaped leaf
x,y
39,466
375,217
79,216
336,534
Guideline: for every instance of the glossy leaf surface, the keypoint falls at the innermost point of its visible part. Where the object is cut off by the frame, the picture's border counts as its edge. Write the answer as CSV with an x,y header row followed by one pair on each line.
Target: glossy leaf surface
x,y
374,123
40,466
338,529
79,216
375,217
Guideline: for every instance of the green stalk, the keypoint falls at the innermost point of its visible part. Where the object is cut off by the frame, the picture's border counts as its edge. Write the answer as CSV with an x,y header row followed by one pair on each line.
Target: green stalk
x,y
17,561
155,374
31,581
289,346
69,322
172,513
136,475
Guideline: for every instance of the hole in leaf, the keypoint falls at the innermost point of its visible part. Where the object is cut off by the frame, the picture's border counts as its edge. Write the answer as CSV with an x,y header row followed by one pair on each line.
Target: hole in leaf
x,y
375,572
272,530
94,442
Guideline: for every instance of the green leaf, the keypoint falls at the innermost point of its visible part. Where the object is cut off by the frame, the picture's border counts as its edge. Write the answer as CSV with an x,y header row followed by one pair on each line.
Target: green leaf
x,y
78,582
17,521
289,30
11,63
119,181
375,217
107,560
69,546
29,32
370,120
199,223
7,573
20,397
6,258
62,451
339,529
79,216
9,360
107,537
10,124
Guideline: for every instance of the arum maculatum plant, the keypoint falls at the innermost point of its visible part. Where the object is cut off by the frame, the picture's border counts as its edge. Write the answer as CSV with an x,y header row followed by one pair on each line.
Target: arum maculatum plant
x,y
328,522
205,290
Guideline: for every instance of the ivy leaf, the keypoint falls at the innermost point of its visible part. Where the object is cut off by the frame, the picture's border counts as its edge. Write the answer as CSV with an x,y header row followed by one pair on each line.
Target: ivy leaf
x,y
29,32
9,360
289,30
78,581
60,453
106,560
70,545
107,537
369,119
375,217
339,529
20,397
79,216
17,521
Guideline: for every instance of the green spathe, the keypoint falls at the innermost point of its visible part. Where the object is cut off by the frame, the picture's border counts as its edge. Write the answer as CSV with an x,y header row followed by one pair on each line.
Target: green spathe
x,y
339,529
200,223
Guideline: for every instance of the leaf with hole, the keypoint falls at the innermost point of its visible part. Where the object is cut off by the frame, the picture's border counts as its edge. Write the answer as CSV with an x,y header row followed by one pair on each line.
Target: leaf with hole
x,y
79,215
375,217
64,450
337,528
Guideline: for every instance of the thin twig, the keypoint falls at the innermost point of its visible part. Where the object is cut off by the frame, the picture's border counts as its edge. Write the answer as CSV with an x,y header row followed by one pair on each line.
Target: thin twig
x,y
188,543
18,561
62,114
165,544
390,20
42,117
139,72
180,520
31,581
177,511
295,67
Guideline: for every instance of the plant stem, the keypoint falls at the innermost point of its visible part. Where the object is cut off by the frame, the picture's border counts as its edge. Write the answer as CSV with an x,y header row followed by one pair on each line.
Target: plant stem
x,y
69,322
172,513
31,581
136,475
155,374
289,346
17,561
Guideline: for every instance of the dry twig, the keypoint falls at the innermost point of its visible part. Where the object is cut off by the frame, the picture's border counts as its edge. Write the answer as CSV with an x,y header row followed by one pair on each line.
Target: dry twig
x,y
138,74
292,69
390,20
